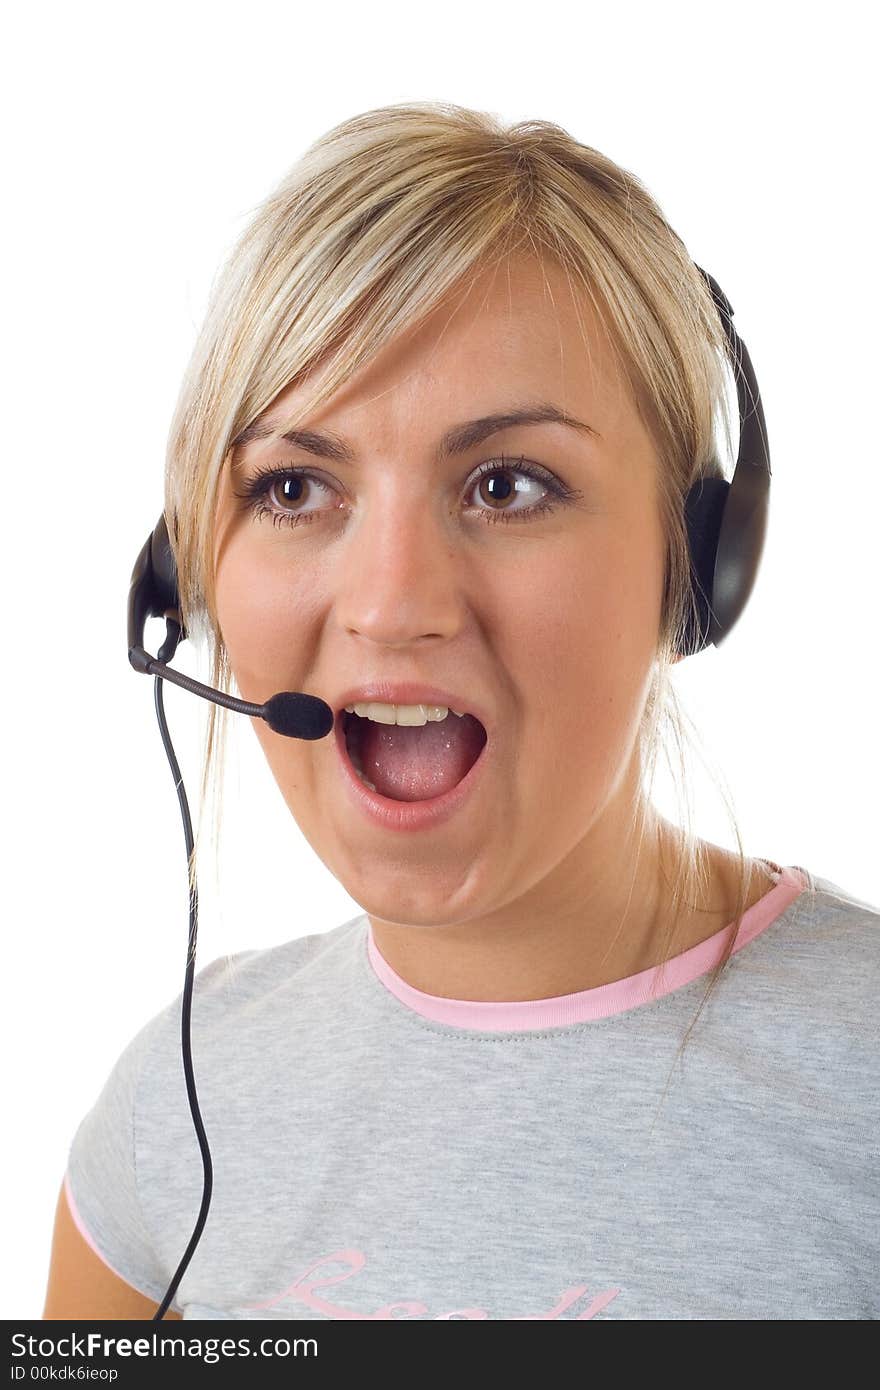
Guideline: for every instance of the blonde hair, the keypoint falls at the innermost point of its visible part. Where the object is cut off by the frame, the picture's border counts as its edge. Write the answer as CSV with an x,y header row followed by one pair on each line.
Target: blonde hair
x,y
378,221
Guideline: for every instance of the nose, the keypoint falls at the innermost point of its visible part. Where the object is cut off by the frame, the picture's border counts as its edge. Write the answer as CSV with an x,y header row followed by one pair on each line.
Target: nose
x,y
399,576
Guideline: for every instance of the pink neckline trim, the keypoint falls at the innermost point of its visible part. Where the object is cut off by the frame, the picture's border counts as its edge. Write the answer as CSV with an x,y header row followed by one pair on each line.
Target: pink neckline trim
x,y
502,1016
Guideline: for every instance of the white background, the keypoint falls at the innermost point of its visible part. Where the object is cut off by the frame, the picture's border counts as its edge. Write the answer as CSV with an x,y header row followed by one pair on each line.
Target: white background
x,y
137,143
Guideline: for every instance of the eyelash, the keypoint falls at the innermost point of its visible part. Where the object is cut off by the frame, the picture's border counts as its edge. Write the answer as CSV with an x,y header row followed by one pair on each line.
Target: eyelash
x,y
258,487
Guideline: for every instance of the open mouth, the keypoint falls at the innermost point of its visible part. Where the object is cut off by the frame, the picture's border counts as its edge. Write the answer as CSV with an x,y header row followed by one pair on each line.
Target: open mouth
x,y
413,762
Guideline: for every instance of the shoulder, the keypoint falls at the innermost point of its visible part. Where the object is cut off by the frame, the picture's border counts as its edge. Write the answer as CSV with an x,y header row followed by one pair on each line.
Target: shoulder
x,y
833,899
252,1012
822,945
238,999
806,1010
247,978
832,928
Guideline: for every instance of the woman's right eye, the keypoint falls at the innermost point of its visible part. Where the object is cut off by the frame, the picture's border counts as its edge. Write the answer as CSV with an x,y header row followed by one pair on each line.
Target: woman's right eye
x,y
282,487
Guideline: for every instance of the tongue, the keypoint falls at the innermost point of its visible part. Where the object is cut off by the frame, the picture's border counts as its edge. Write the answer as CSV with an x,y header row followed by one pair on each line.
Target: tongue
x,y
412,763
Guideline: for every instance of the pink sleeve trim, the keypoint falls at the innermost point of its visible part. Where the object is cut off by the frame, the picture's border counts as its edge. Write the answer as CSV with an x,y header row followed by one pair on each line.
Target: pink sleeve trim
x,y
618,996
86,1235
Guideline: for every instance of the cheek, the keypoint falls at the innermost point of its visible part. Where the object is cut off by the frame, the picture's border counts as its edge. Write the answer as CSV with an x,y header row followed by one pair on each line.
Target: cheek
x,y
583,645
261,619
265,630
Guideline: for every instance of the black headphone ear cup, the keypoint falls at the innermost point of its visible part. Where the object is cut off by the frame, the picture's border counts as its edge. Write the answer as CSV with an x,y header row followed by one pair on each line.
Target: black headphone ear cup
x,y
166,593
703,510
152,593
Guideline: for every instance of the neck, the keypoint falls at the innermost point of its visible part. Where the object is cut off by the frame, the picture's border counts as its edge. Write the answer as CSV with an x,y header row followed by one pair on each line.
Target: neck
x,y
601,916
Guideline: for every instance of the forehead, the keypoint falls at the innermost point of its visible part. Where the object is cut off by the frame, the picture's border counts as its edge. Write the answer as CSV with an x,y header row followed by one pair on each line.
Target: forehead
x,y
521,331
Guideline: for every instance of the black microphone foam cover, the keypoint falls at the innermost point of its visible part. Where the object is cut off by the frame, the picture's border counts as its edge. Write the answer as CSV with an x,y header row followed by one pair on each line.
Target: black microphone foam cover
x,y
298,715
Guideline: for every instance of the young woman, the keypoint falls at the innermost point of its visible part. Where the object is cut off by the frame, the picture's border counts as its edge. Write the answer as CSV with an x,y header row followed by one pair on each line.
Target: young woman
x,y
429,463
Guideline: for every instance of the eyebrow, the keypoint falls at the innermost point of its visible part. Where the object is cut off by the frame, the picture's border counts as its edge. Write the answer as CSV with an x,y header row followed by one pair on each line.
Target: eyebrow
x,y
458,440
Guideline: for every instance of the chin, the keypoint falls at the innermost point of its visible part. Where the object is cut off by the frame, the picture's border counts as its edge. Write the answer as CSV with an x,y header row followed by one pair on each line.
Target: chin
x,y
434,904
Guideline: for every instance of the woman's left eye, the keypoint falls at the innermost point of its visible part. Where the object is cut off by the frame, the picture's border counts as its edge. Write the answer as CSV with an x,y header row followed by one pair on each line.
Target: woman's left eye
x,y
500,489
259,491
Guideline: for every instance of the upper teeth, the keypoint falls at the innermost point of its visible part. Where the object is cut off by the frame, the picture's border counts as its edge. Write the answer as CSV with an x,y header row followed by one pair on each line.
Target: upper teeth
x,y
401,714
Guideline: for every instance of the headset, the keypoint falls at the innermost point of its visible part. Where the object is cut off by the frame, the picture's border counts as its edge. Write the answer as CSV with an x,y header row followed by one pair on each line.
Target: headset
x,y
726,527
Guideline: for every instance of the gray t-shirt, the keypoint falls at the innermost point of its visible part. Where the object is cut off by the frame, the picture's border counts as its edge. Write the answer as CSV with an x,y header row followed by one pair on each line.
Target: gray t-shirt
x,y
379,1152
